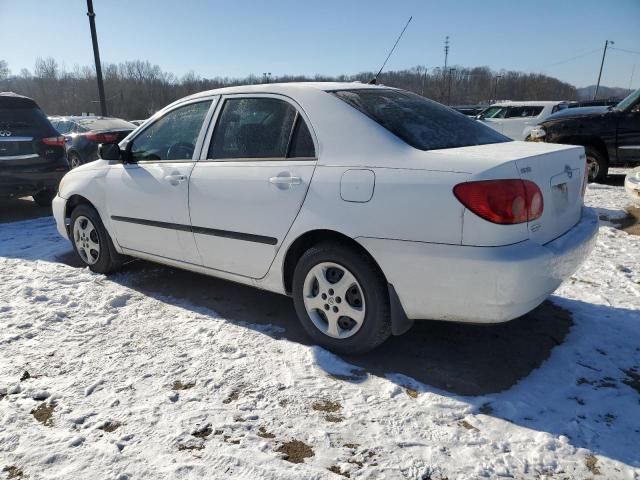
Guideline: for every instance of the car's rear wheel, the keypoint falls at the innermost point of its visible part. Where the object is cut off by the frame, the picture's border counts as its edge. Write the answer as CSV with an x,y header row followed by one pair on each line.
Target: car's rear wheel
x,y
44,197
92,242
597,164
74,160
341,298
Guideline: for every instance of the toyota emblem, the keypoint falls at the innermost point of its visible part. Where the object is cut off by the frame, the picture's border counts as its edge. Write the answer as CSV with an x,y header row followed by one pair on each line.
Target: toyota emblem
x,y
5,133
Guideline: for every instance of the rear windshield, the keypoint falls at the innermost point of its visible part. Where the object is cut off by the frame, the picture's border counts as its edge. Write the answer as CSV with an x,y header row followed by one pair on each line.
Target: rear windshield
x,y
99,124
25,121
422,123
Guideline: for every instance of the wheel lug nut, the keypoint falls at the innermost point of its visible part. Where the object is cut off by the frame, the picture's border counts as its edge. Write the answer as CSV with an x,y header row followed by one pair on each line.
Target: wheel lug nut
x,y
335,309
331,291
326,306
338,299
324,296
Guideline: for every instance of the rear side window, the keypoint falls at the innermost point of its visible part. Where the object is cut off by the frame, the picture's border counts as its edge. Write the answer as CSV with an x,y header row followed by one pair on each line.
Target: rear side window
x,y
301,145
253,128
422,123
524,111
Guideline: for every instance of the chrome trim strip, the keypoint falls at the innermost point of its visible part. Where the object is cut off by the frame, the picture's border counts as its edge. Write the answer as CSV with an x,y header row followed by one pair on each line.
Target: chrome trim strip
x,y
16,139
19,157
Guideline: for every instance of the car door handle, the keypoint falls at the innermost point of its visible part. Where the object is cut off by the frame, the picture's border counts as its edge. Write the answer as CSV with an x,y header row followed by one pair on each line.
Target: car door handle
x,y
285,180
175,179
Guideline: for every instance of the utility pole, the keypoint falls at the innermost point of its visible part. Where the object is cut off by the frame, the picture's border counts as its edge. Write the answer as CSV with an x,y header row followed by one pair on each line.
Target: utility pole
x,y
604,53
424,79
451,70
265,77
495,88
96,56
446,51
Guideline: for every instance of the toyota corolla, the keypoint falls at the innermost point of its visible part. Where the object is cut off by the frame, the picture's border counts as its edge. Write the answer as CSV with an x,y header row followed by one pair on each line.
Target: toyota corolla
x,y
371,206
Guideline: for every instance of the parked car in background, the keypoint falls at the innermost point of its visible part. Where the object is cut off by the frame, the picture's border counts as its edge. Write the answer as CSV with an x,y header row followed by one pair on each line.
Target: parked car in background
x,y
470,110
610,135
632,185
32,156
84,134
369,205
516,119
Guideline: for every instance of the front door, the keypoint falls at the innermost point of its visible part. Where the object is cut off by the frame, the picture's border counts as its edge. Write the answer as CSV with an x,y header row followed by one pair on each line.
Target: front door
x,y
628,135
250,183
148,198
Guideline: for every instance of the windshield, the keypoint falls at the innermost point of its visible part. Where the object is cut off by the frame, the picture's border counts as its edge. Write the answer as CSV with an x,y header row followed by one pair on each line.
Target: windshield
x,y
422,123
629,101
493,112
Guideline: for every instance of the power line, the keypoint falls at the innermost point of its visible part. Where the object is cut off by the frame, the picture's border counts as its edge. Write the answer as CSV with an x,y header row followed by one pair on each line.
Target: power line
x,y
582,55
625,50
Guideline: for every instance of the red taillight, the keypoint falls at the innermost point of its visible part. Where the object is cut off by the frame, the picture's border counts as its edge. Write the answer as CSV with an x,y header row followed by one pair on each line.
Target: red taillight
x,y
502,201
54,141
102,137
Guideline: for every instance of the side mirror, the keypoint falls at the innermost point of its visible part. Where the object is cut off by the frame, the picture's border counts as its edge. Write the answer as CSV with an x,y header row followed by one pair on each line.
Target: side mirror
x,y
109,151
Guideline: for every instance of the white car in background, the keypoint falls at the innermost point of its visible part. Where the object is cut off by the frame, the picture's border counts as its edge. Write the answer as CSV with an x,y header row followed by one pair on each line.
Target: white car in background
x,y
370,206
632,185
516,119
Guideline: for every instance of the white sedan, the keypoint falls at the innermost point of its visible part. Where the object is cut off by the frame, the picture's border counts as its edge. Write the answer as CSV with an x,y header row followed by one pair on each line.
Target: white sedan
x,y
370,206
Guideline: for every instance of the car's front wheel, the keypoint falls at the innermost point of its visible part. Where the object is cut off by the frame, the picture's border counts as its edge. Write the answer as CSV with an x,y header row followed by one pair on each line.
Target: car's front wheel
x,y
341,298
92,242
74,160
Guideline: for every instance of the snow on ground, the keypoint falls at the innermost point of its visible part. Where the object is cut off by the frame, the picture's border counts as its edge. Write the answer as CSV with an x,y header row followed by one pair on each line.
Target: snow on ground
x,y
128,386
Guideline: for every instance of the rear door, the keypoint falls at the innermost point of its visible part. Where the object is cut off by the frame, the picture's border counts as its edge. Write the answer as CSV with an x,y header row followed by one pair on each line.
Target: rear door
x,y
251,180
148,199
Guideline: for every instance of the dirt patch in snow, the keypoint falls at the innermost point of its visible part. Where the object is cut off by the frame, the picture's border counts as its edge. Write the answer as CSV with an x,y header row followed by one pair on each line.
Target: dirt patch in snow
x,y
633,379
262,432
411,392
13,472
334,418
295,451
233,396
467,425
44,414
25,376
592,464
631,223
183,447
203,432
110,427
178,385
336,469
326,406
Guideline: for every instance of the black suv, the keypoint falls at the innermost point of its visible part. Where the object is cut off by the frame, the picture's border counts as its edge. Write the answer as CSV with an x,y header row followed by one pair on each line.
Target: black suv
x,y
32,156
609,135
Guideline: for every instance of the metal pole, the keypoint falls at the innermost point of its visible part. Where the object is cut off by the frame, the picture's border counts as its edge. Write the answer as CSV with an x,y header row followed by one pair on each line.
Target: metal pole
x,y
451,70
96,56
424,79
604,53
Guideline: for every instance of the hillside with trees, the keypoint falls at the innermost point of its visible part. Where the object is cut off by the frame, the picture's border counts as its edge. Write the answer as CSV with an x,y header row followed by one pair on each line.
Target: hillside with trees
x,y
136,89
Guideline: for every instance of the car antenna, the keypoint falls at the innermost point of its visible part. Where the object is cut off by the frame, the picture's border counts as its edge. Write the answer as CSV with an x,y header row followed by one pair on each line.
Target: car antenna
x,y
374,80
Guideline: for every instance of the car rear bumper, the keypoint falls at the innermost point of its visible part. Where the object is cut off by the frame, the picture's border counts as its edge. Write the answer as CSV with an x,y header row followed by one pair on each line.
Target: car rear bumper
x,y
18,184
58,206
481,284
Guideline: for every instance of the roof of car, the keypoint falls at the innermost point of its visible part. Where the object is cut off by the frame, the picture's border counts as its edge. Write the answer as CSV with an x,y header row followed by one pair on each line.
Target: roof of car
x,y
285,88
529,103
14,98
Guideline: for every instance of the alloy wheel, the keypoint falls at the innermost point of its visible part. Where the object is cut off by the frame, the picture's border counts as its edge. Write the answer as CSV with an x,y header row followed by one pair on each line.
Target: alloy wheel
x,y
334,300
593,168
86,240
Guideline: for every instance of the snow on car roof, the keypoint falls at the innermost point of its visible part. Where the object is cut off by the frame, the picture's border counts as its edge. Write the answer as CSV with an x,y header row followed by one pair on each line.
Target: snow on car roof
x,y
528,103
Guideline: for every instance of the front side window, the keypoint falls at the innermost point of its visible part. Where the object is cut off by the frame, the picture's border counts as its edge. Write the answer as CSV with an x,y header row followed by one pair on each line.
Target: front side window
x,y
494,112
173,136
421,123
252,128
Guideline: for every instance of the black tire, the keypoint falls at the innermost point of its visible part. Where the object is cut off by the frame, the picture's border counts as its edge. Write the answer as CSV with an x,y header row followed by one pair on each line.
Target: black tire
x,y
44,198
599,158
74,160
108,259
376,327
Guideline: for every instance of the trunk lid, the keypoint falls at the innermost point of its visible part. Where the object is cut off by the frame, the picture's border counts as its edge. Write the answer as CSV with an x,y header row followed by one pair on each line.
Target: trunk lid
x,y
558,170
560,177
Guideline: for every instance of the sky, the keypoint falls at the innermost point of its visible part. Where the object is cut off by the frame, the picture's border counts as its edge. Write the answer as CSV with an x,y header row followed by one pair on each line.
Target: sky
x,y
231,38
